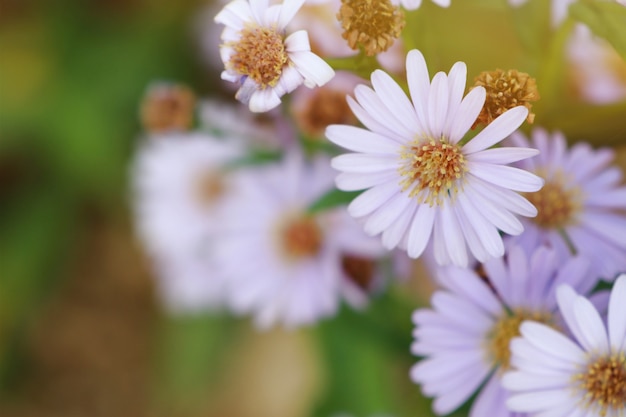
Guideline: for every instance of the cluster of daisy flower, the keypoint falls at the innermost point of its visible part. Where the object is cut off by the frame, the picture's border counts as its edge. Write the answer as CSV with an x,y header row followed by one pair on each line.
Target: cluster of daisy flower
x,y
253,207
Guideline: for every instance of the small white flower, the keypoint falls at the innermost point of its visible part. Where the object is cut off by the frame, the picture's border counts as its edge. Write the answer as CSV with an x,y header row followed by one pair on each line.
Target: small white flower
x,y
178,190
258,53
281,263
581,205
421,179
465,337
415,4
580,376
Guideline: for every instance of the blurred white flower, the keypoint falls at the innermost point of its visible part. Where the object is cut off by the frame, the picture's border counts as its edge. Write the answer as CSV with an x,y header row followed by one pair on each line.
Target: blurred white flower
x,y
260,56
281,263
598,72
465,337
582,206
583,375
420,179
178,190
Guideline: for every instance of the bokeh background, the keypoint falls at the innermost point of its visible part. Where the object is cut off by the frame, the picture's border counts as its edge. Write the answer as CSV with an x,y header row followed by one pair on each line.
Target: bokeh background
x,y
81,332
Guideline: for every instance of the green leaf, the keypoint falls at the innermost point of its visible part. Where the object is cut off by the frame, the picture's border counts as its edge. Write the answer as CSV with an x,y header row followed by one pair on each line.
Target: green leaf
x,y
333,198
606,19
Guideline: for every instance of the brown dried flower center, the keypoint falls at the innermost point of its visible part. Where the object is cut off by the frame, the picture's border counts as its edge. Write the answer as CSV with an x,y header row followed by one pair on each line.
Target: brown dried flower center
x,y
435,166
360,270
326,107
301,237
371,24
505,330
167,107
209,187
556,206
604,384
260,54
505,90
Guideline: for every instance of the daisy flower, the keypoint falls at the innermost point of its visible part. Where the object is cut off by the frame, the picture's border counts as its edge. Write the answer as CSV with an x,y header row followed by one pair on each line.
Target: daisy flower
x,y
464,338
259,55
178,187
282,263
582,375
178,190
582,206
422,178
415,4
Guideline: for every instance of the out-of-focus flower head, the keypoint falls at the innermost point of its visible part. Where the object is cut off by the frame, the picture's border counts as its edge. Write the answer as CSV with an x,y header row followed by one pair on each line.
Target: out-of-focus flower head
x,y
260,56
465,337
558,9
598,72
167,107
580,375
179,186
420,179
314,110
582,206
282,263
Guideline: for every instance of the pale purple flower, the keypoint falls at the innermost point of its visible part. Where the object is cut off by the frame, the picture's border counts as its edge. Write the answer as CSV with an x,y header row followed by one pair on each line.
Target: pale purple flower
x,y
583,375
179,185
259,54
422,179
464,338
582,204
283,264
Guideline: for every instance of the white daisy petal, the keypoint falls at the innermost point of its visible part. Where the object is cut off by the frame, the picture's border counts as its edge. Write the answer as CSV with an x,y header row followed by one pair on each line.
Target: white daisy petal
x,y
360,140
617,315
497,130
506,177
364,163
438,103
315,70
469,109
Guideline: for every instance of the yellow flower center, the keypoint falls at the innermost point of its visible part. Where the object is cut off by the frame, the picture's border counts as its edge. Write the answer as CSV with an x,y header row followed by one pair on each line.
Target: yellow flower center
x,y
259,54
301,237
506,329
371,24
435,166
604,383
556,206
505,90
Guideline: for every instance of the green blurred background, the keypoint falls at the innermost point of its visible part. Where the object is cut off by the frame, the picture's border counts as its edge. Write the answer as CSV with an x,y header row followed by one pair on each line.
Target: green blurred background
x,y
80,331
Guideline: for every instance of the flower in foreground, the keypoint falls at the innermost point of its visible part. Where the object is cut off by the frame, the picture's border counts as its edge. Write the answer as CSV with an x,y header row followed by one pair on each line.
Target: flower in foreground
x,y
582,206
421,179
465,337
582,375
282,263
258,53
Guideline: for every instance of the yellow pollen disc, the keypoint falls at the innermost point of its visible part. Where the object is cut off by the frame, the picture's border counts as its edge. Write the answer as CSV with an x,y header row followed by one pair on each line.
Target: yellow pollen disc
x,y
259,54
604,384
301,237
506,329
556,206
371,24
505,90
435,167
